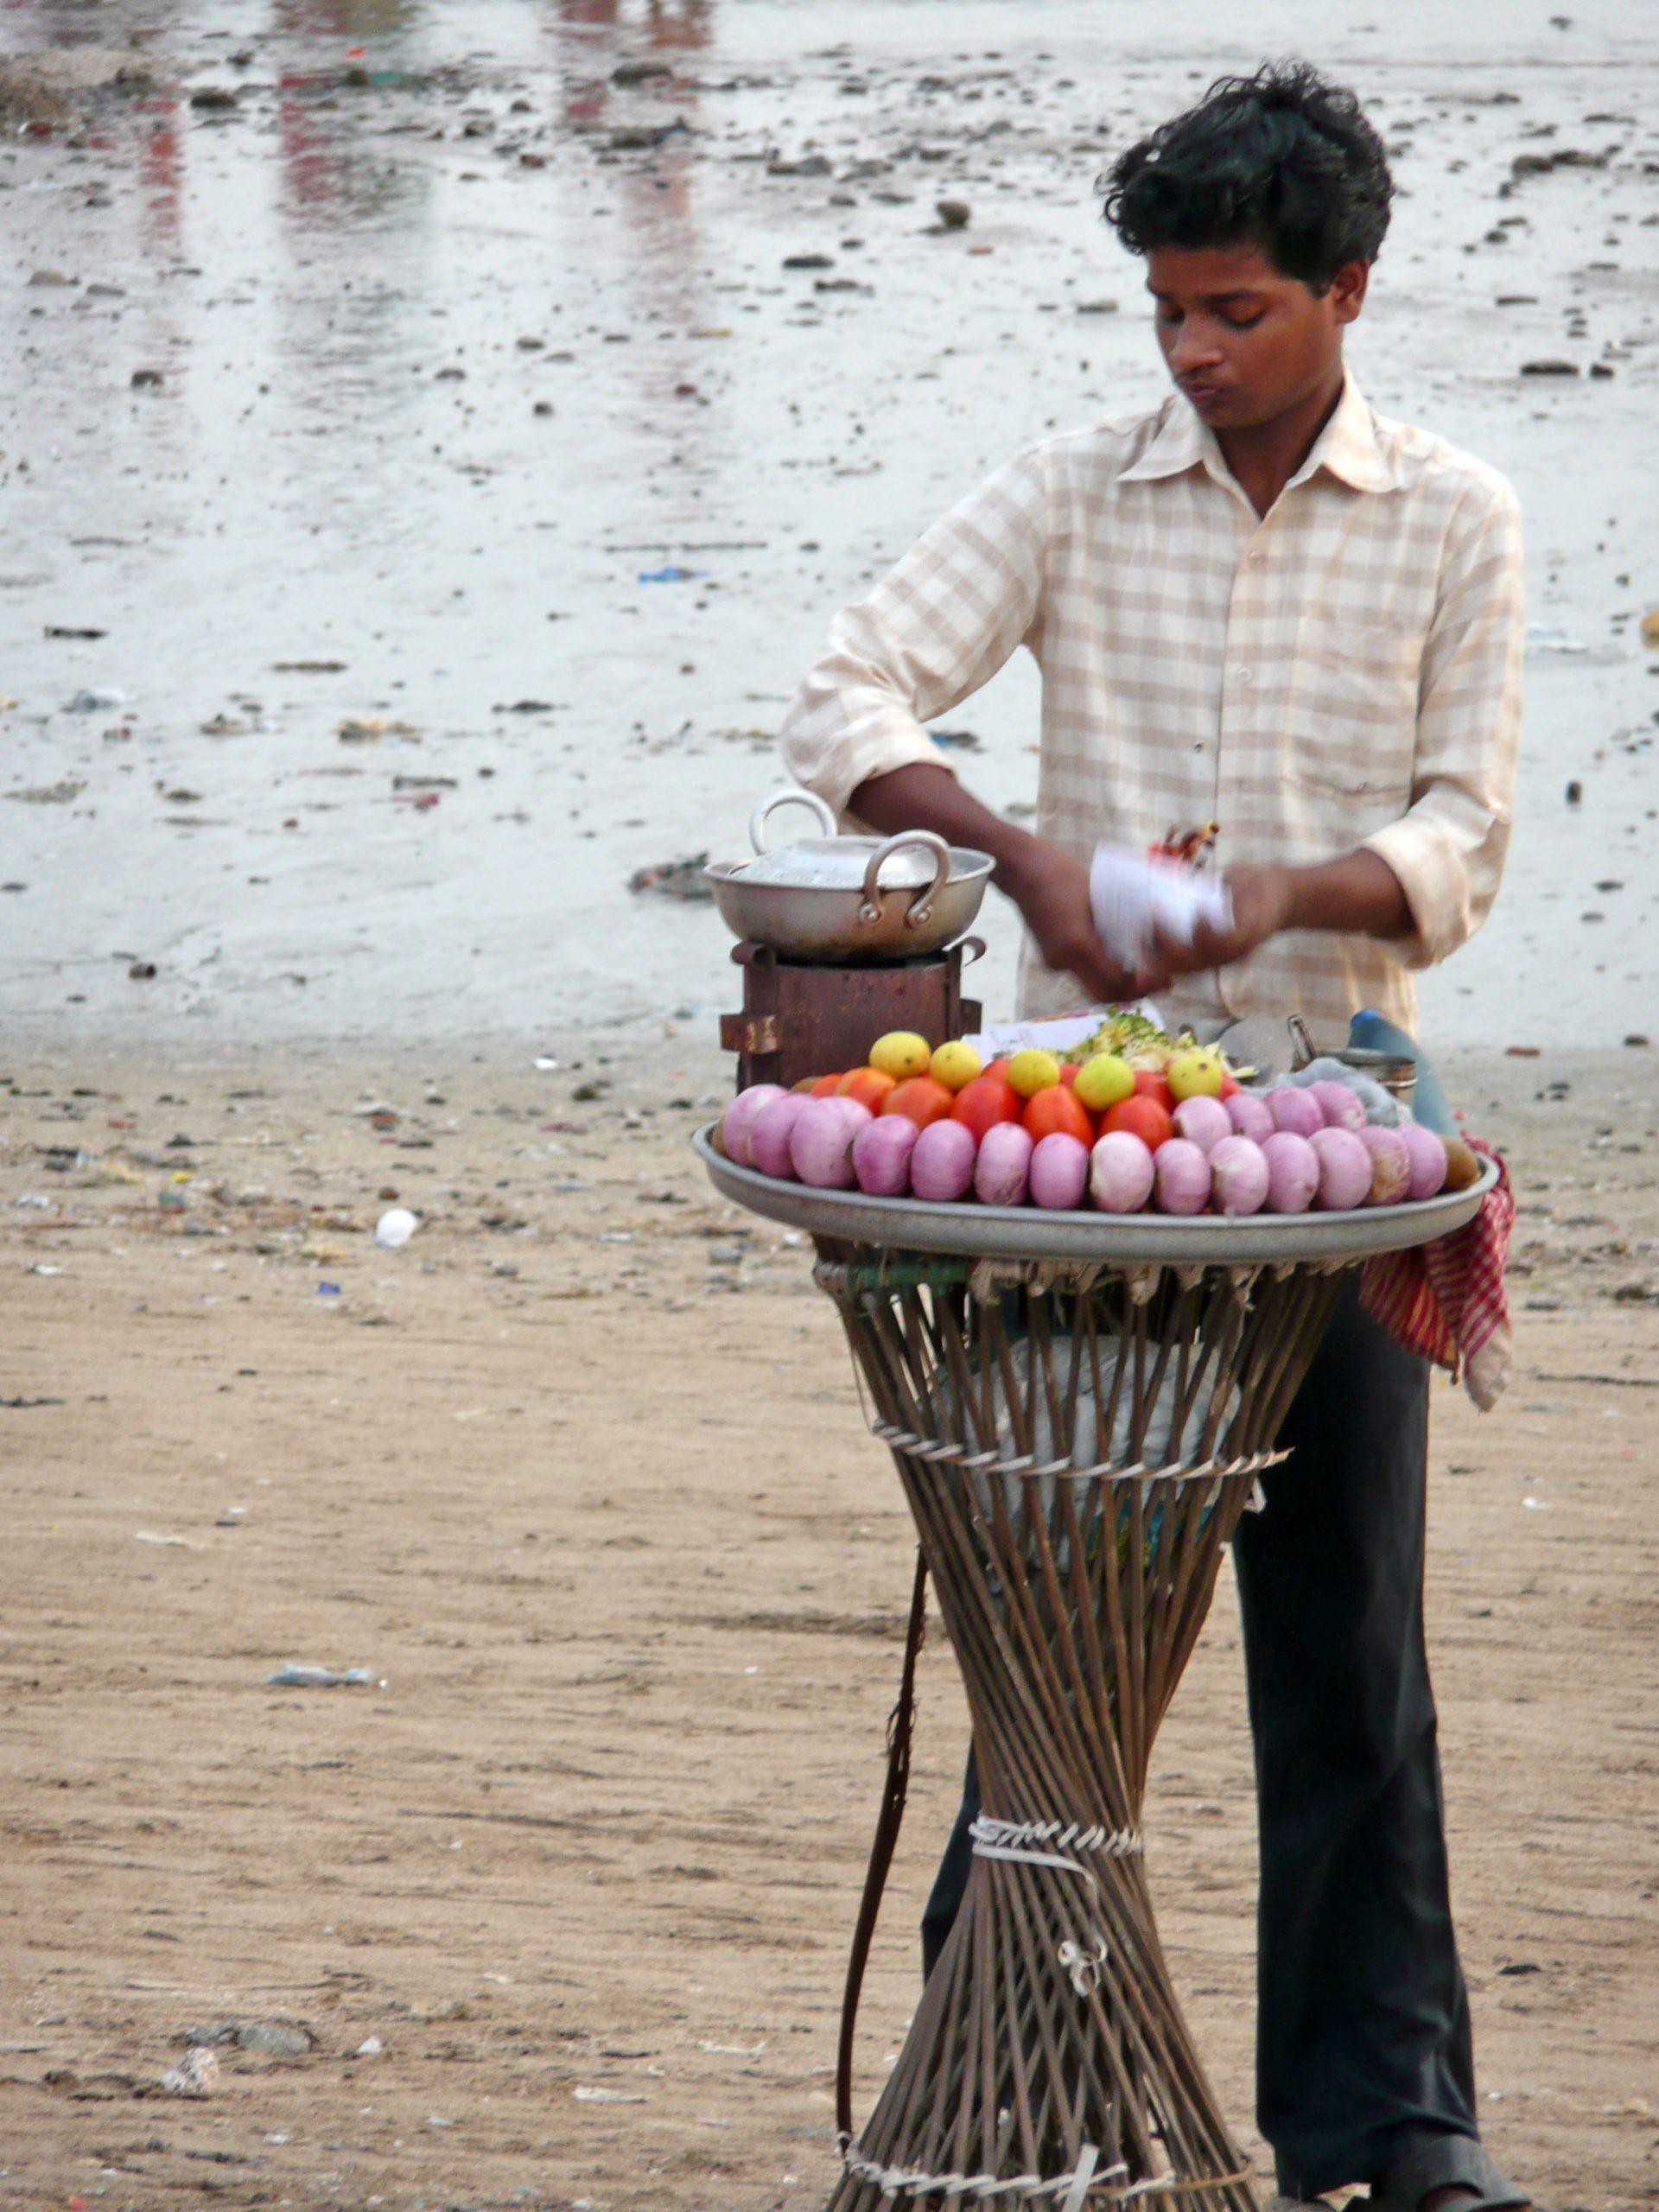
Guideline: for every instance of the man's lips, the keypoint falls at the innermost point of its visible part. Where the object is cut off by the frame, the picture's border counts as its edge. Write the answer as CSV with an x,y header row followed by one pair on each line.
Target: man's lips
x,y
1203,395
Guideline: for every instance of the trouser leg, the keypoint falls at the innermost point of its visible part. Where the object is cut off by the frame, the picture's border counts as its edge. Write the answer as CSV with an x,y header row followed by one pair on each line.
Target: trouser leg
x,y
945,1896
1364,2045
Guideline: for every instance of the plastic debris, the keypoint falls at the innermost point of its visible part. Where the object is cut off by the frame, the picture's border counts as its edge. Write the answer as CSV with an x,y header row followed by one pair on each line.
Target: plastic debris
x,y
395,1228
274,2039
295,1674
371,2047
95,699
672,574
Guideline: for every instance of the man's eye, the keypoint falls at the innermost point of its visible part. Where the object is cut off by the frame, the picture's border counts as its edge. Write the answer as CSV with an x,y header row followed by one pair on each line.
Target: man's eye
x,y
1244,321
1168,314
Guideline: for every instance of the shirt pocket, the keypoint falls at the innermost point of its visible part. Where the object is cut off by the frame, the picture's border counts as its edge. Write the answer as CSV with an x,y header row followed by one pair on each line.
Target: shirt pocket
x,y
1351,719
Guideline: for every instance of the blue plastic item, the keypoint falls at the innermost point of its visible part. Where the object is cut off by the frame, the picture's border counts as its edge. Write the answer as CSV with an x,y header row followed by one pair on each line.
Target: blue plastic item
x,y
1369,1032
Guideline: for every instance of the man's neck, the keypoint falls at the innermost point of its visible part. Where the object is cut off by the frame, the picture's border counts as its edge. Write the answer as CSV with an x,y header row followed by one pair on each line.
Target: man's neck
x,y
1264,457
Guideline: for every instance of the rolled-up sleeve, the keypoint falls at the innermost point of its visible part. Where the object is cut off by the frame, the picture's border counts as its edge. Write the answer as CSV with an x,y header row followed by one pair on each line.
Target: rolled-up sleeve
x,y
937,627
1448,849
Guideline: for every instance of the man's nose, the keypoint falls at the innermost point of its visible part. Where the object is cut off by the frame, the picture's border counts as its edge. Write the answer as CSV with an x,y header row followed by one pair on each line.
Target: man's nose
x,y
1194,348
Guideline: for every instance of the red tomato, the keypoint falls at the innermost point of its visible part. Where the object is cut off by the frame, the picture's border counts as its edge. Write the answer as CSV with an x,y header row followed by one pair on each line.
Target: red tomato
x,y
985,1102
1231,1086
869,1085
997,1067
922,1098
1068,1072
1150,1084
1058,1108
1142,1118
824,1087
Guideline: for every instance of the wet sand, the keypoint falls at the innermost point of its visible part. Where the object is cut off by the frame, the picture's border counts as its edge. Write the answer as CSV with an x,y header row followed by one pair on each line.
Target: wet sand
x,y
579,1476
502,473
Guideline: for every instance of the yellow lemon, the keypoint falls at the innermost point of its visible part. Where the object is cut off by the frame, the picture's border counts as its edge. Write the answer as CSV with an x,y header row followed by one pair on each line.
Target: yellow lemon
x,y
955,1064
1104,1081
901,1053
1032,1070
1195,1074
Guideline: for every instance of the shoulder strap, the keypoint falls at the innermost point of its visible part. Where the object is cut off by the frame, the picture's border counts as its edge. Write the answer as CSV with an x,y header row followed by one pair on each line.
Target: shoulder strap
x,y
900,1721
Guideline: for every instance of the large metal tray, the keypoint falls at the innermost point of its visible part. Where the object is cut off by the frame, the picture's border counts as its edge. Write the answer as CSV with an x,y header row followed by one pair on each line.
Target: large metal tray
x,y
1029,1233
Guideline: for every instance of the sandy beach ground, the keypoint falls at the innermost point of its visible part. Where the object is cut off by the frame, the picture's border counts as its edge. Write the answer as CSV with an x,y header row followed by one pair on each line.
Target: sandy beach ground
x,y
425,483
579,1476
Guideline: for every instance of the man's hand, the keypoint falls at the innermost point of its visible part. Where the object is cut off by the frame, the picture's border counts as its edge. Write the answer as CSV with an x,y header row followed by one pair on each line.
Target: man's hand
x,y
1263,901
1051,889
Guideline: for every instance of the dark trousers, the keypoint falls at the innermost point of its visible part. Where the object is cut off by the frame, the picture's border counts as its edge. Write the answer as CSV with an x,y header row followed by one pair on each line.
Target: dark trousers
x,y
1362,2045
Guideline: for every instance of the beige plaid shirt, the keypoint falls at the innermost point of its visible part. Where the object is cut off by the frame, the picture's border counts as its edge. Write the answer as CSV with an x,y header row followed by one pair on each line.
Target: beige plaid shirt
x,y
1344,672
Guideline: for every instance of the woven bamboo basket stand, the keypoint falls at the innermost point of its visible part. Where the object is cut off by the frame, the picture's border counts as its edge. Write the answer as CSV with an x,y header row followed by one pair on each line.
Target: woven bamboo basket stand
x,y
1077,1456
1077,1439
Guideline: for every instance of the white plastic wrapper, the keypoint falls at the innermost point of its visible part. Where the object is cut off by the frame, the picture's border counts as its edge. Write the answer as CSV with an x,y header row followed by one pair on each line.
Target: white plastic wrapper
x,y
1131,896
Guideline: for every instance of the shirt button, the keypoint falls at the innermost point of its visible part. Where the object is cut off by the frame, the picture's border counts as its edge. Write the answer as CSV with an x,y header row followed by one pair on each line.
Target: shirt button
x,y
1246,675
1255,559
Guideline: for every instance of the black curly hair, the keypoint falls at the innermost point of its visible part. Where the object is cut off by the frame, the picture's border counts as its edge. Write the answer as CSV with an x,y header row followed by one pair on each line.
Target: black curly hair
x,y
1284,159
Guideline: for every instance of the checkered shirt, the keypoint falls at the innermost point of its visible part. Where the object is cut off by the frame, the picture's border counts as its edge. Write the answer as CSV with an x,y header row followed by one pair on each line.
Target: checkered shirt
x,y
1342,671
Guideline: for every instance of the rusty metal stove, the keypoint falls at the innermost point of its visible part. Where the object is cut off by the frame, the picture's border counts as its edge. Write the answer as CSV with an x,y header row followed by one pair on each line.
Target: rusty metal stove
x,y
806,1018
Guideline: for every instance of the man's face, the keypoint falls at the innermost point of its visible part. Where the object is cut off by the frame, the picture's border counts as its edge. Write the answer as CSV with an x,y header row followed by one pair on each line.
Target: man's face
x,y
1244,342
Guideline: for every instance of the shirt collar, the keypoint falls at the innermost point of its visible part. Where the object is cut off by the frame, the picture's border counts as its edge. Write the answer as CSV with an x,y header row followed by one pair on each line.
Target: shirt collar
x,y
1350,446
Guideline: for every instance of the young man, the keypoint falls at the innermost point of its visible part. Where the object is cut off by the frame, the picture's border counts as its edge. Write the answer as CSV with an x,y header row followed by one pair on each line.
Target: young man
x,y
1258,603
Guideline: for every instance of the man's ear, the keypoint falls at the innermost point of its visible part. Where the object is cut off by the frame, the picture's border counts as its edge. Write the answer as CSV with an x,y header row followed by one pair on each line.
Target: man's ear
x,y
1347,290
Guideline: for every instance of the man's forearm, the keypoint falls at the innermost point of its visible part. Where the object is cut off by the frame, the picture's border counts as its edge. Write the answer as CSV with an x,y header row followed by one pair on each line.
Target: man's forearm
x,y
1358,895
921,797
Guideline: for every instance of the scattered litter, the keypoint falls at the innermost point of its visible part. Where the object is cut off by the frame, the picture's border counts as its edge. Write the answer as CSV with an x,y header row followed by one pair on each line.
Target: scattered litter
x,y
671,575
1549,638
395,1228
58,794
95,699
681,879
953,214
369,729
295,1674
371,2047
68,630
196,2074
584,2096
141,972
26,1405
159,1536
733,2050
328,1290
308,667
957,741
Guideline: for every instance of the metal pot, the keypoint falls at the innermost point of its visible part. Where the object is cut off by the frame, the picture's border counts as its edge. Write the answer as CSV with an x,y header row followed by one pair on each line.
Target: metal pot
x,y
848,898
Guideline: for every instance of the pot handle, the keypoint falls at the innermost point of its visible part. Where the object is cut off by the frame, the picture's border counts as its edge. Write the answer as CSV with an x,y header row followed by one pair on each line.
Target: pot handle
x,y
921,906
789,795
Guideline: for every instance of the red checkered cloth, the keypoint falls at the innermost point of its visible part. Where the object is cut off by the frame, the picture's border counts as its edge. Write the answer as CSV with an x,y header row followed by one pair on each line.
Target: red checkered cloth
x,y
1446,1300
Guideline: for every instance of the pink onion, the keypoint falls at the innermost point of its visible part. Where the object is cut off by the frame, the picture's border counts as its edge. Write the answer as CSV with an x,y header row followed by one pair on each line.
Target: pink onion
x,y
1294,1109
820,1142
1239,1176
1292,1171
1428,1151
1250,1114
1183,1175
1121,1173
769,1137
1059,1172
1343,1108
941,1161
1344,1170
1203,1122
1003,1172
740,1118
1390,1166
881,1153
